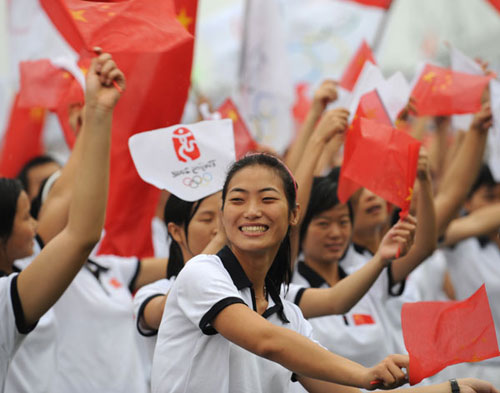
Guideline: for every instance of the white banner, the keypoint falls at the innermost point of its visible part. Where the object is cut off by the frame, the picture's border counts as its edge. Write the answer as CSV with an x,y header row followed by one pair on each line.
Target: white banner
x,y
190,161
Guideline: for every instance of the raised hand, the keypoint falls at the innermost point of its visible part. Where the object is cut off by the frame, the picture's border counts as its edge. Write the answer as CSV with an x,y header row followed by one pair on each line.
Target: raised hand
x,y
483,119
326,93
101,91
423,167
332,123
398,240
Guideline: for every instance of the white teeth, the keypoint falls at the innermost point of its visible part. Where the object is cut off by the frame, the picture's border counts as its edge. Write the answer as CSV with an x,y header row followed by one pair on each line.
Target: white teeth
x,y
254,228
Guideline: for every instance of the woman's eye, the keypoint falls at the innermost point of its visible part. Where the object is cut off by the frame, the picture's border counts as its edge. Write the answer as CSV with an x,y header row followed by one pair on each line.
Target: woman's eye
x,y
268,199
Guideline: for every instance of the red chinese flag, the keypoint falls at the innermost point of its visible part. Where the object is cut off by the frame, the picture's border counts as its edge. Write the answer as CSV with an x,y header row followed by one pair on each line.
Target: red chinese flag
x,y
302,103
355,66
443,92
439,334
385,4
42,84
370,106
243,140
186,14
381,159
22,139
154,50
363,319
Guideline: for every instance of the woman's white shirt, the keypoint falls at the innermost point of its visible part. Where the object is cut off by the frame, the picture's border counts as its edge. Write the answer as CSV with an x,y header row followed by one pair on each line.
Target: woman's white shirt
x,y
190,355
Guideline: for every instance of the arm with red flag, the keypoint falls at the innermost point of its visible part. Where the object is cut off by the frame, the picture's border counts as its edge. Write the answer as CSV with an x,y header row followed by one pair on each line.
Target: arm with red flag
x,y
425,236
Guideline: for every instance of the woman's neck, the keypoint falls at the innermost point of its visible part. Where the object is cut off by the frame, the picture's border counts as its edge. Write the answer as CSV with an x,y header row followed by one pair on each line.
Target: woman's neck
x,y
5,265
328,271
369,238
255,265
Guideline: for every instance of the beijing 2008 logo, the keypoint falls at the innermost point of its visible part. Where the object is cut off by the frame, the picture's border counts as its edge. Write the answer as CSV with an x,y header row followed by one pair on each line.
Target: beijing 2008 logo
x,y
185,145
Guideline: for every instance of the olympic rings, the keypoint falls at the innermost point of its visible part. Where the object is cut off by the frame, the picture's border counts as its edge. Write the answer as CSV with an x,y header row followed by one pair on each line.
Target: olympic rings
x,y
198,180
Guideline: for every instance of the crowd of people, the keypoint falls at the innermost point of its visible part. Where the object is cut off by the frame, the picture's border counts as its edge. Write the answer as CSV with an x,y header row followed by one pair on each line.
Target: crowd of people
x,y
271,284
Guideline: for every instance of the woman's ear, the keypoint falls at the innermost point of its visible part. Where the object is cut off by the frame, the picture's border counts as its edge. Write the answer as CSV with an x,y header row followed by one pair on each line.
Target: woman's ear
x,y
295,215
176,231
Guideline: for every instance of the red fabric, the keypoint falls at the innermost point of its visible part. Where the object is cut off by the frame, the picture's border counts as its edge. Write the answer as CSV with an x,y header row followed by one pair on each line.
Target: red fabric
x,y
302,103
363,319
155,53
439,334
243,140
22,139
186,13
381,159
443,92
355,66
42,84
495,4
385,4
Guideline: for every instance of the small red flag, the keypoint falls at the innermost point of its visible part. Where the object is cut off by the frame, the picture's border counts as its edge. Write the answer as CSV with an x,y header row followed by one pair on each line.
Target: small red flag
x,y
355,66
243,140
439,334
385,4
381,159
495,4
363,319
42,84
443,92
302,103
22,140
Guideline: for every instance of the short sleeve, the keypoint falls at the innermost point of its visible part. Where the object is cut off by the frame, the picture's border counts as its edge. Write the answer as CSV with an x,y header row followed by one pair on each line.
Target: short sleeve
x,y
142,298
204,289
292,292
126,269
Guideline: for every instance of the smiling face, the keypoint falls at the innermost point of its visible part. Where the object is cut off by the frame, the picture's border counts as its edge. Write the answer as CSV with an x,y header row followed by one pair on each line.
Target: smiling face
x,y
256,214
20,242
327,235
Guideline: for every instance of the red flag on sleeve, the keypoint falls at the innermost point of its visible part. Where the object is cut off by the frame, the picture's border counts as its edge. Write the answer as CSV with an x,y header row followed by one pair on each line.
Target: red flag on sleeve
x,y
355,66
439,334
152,47
243,140
385,4
22,139
442,92
381,159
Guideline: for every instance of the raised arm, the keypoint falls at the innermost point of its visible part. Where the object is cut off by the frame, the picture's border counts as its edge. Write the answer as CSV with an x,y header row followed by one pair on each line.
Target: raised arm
x,y
425,237
46,278
325,94
460,175
249,330
480,222
340,298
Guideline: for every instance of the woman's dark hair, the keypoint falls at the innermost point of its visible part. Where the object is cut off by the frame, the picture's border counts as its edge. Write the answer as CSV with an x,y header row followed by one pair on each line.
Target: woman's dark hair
x,y
484,178
280,271
179,212
323,197
22,176
10,189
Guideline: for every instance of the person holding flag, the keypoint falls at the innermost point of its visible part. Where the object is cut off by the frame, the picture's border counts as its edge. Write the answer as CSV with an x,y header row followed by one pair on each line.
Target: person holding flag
x,y
26,296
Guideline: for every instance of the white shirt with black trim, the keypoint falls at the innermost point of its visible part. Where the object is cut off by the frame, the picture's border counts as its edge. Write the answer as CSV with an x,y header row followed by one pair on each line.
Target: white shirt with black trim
x,y
146,339
358,335
97,350
34,366
13,327
190,355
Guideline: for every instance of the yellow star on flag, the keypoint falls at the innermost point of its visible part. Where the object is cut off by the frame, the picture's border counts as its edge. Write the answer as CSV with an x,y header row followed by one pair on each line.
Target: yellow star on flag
x,y
78,15
36,113
184,18
410,194
84,70
66,75
429,76
232,115
371,113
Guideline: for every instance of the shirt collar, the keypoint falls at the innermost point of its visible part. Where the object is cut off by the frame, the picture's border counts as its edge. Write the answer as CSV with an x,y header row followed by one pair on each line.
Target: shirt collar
x,y
241,280
313,278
